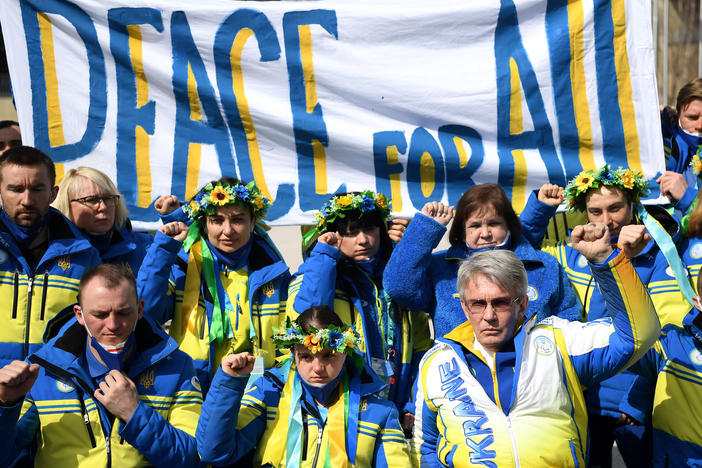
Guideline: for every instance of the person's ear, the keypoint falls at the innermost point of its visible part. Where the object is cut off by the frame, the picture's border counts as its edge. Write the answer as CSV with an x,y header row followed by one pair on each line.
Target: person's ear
x,y
79,314
54,193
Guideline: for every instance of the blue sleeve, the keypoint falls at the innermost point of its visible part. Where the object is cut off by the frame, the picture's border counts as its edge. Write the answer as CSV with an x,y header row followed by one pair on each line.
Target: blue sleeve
x,y
534,220
16,433
638,400
168,441
177,215
391,448
565,302
686,201
156,276
318,284
601,348
407,278
218,439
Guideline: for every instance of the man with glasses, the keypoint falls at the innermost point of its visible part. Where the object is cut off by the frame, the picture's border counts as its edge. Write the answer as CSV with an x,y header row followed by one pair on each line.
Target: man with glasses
x,y
42,254
501,391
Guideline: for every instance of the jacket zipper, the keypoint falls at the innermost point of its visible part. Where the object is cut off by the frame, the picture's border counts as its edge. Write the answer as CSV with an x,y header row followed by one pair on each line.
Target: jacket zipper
x,y
320,431
15,295
43,293
514,443
86,420
30,282
108,449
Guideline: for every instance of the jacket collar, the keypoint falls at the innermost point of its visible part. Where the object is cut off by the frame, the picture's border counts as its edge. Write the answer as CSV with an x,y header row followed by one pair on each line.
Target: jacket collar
x,y
66,349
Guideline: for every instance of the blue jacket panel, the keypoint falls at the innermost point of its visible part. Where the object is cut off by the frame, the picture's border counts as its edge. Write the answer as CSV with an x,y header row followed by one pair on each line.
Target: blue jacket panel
x,y
128,248
418,279
32,297
64,420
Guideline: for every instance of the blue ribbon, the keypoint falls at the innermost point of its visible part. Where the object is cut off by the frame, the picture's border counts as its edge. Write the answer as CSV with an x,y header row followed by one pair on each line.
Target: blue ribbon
x,y
667,246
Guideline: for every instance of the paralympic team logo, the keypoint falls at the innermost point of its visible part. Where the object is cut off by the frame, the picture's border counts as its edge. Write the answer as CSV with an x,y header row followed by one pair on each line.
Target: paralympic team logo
x,y
544,345
696,357
64,387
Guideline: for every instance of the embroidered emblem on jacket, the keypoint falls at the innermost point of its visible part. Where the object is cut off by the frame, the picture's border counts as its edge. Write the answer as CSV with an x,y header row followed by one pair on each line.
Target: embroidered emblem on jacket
x,y
3,256
543,345
268,289
64,387
146,379
64,261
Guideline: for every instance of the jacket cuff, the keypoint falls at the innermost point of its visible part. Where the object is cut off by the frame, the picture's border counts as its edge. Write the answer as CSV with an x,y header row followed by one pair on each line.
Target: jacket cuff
x,y
137,422
325,249
9,415
686,201
177,215
222,379
167,242
424,231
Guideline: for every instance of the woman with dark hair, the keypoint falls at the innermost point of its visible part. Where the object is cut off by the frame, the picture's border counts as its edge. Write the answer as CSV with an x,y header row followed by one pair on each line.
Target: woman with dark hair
x,y
221,281
484,219
317,409
344,270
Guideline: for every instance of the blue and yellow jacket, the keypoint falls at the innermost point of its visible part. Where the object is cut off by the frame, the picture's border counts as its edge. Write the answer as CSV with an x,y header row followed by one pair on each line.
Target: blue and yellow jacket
x,y
690,250
32,297
260,290
418,279
543,420
64,425
127,248
654,271
674,366
678,155
325,279
233,422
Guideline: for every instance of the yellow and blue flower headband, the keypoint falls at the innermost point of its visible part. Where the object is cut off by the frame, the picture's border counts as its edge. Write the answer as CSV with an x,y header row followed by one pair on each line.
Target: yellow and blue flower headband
x,y
338,339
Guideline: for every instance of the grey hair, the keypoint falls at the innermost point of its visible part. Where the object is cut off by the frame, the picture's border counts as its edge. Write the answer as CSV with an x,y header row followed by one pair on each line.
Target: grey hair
x,y
502,267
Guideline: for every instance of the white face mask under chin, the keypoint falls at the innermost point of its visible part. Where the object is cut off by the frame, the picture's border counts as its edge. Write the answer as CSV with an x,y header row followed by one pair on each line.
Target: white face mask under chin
x,y
694,134
112,349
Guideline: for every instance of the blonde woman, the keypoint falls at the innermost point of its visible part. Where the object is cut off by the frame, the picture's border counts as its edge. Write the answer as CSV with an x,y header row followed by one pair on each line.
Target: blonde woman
x,y
90,199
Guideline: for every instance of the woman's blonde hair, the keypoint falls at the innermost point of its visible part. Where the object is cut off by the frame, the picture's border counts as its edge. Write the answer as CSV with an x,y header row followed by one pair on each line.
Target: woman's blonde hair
x,y
73,180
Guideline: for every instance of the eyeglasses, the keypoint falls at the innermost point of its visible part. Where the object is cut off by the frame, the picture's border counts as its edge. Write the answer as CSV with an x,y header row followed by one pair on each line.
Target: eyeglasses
x,y
499,304
93,201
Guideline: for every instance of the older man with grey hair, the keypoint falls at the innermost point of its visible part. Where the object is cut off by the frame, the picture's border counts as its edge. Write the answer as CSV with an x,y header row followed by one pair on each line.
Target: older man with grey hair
x,y
499,391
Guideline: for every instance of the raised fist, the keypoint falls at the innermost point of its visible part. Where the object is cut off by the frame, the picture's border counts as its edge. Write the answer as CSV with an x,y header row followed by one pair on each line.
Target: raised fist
x,y
551,194
673,185
633,238
396,229
592,241
330,238
166,204
16,380
176,230
439,212
238,364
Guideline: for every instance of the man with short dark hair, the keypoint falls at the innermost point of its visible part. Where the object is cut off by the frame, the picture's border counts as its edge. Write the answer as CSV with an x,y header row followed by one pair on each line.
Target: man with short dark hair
x,y
10,135
42,254
110,389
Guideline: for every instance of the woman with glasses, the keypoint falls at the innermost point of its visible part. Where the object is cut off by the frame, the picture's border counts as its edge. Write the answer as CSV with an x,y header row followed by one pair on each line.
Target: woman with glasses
x,y
89,198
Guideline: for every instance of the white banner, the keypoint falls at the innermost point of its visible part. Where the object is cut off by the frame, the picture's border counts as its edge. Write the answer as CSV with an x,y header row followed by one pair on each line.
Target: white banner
x,y
418,100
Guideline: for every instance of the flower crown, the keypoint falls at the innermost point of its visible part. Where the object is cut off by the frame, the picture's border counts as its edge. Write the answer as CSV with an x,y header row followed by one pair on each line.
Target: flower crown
x,y
218,194
333,337
696,163
338,205
628,180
